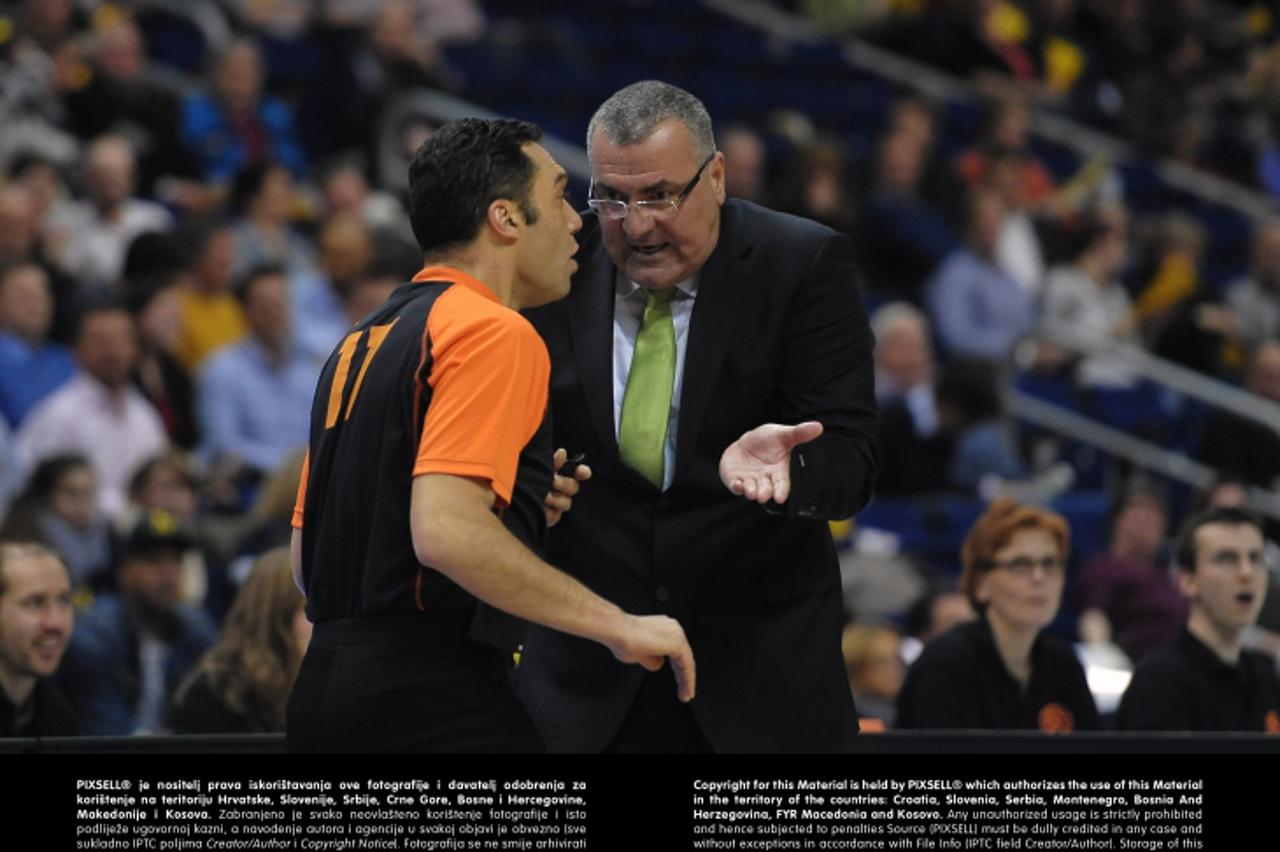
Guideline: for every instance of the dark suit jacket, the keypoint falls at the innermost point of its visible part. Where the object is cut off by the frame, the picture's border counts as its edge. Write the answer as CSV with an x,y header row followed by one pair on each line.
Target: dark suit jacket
x,y
778,334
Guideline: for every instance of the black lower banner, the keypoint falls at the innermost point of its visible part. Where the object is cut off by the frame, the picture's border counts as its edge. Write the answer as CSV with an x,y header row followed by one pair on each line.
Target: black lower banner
x,y
1192,800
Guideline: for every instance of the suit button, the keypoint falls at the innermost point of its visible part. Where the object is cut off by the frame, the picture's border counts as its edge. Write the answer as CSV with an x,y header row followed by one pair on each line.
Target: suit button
x,y
664,503
662,594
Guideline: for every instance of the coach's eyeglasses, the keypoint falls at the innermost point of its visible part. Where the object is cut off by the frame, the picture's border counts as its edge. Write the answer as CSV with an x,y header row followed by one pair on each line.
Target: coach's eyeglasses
x,y
613,209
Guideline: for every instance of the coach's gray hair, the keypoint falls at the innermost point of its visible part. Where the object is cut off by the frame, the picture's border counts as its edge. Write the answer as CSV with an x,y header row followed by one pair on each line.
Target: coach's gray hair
x,y
631,114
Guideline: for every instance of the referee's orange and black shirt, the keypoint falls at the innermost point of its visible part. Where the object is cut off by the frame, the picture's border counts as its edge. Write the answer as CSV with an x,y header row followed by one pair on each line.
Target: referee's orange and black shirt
x,y
441,379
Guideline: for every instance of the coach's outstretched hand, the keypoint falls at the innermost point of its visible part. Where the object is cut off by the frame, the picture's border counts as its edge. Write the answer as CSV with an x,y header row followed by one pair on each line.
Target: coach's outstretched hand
x,y
758,465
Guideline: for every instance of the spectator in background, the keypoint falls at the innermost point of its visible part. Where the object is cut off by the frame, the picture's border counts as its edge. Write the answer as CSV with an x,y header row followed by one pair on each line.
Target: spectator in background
x,y
118,97
1170,92
99,229
1254,299
282,19
940,608
58,507
346,254
1006,136
745,161
31,365
254,397
236,124
242,684
971,414
130,651
1178,317
345,189
42,52
170,483
905,235
265,526
439,21
269,521
373,59
1086,298
42,177
24,220
1245,446
875,671
1017,249
98,412
1000,671
913,120
1204,680
155,302
210,314
36,618
394,263
1126,596
819,187
48,24
27,206
262,202
976,308
904,359
913,448
1233,490
19,226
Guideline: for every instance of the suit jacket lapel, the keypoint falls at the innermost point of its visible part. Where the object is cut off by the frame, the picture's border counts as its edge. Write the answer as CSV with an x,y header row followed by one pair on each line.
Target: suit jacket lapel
x,y
720,292
591,323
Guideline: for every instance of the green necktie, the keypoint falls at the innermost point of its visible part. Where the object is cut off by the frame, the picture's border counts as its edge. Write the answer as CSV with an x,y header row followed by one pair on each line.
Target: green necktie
x,y
646,405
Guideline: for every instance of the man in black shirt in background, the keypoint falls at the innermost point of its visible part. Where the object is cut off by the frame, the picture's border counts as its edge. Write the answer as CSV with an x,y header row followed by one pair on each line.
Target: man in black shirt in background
x,y
1204,680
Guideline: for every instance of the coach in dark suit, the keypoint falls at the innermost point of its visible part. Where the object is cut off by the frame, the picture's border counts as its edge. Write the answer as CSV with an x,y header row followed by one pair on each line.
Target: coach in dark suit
x,y
709,507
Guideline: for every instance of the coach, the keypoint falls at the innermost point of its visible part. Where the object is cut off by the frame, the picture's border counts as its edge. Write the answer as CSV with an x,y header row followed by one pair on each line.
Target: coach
x,y
703,340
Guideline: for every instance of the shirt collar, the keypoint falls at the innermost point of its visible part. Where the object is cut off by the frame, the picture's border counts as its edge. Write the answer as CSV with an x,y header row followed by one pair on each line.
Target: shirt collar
x,y
456,276
624,287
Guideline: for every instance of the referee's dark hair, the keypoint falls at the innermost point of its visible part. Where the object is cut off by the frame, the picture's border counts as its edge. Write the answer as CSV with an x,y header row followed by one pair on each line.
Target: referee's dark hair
x,y
460,170
1184,552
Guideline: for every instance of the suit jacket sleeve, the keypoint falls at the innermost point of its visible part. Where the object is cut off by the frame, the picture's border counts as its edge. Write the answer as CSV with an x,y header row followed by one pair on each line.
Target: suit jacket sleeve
x,y
827,375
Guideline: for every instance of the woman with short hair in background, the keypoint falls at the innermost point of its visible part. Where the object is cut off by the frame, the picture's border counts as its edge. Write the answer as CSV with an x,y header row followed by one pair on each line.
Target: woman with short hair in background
x,y
1001,671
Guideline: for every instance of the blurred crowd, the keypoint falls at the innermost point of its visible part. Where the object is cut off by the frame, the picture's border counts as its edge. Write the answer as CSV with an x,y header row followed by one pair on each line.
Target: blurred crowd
x,y
1190,80
976,265
184,240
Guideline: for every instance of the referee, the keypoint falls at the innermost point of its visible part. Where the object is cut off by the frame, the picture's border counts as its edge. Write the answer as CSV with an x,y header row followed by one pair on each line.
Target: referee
x,y
429,460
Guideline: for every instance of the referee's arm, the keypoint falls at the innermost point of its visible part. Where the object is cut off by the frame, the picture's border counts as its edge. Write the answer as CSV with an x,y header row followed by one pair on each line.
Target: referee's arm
x,y
455,531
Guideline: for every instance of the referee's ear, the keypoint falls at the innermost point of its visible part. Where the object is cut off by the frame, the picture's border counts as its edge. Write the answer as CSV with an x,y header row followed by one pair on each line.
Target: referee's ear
x,y
504,219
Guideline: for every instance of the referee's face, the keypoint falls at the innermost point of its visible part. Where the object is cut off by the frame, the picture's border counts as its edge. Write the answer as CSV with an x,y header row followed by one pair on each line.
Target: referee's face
x,y
547,245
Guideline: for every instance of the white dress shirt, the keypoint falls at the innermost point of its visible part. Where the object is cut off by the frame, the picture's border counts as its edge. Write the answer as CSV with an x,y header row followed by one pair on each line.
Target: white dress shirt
x,y
116,432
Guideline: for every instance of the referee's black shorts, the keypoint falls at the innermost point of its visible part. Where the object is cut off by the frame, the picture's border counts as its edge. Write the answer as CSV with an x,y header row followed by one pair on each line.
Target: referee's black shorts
x,y
408,682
